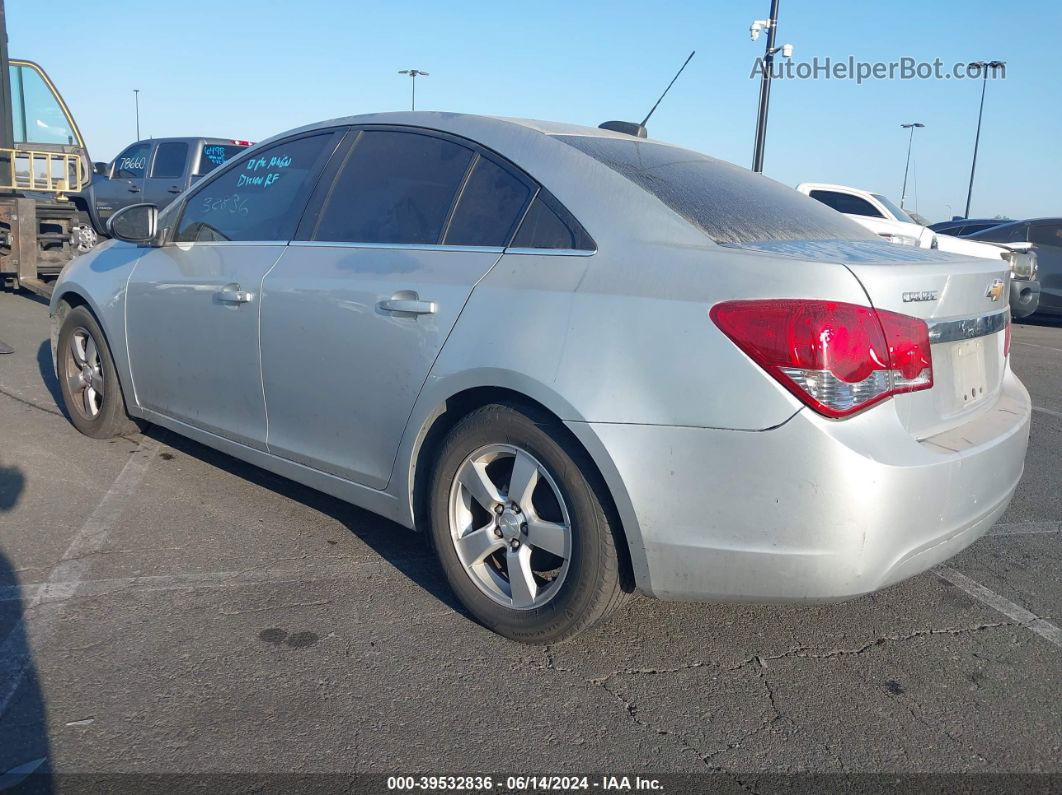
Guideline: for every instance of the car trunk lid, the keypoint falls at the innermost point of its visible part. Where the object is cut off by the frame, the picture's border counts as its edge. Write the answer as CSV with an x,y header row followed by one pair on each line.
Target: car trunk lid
x,y
962,299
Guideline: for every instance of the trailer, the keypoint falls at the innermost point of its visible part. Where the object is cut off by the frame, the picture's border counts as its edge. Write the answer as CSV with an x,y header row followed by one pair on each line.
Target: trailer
x,y
43,159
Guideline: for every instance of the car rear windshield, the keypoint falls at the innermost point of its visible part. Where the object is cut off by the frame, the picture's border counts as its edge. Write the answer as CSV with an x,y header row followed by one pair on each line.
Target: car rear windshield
x,y
729,203
214,155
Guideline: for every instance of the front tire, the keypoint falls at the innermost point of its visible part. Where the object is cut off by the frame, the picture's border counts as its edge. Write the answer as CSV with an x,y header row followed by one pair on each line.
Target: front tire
x,y
520,529
88,380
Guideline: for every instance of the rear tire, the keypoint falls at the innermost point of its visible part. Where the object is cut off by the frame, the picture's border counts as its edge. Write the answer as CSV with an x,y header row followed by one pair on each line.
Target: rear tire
x,y
88,380
513,494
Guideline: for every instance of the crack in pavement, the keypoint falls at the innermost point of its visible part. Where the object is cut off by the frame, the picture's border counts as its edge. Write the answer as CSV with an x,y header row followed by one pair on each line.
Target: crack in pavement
x,y
804,652
776,716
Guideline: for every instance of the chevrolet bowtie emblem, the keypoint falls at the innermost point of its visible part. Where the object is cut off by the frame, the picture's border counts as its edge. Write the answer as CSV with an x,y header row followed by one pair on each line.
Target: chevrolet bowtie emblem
x,y
995,290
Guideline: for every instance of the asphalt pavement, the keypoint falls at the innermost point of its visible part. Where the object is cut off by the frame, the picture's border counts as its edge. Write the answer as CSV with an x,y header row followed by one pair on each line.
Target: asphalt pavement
x,y
167,609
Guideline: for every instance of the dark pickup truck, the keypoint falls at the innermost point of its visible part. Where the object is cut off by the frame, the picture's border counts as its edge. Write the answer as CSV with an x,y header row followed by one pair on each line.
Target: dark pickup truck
x,y
155,171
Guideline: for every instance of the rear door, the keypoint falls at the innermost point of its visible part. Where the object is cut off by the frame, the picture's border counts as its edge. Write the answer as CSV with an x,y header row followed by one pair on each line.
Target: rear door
x,y
193,304
125,184
168,173
355,313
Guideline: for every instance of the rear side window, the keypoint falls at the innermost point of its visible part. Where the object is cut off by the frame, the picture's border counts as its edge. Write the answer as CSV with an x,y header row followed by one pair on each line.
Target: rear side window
x,y
846,203
395,187
214,155
132,163
489,207
728,203
259,198
170,158
548,225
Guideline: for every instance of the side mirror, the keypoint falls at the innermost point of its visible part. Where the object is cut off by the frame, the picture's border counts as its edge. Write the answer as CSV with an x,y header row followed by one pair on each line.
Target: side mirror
x,y
100,168
137,223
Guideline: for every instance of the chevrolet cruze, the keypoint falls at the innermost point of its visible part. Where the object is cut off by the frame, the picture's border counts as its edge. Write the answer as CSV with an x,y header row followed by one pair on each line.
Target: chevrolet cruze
x,y
582,362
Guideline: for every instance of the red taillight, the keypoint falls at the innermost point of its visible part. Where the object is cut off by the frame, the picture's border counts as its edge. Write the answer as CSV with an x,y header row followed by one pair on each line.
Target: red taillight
x,y
241,143
1006,338
837,358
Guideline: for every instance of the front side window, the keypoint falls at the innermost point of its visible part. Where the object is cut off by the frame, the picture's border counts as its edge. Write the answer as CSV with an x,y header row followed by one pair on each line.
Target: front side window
x,y
395,187
898,214
259,198
132,163
1046,234
170,158
846,203
39,118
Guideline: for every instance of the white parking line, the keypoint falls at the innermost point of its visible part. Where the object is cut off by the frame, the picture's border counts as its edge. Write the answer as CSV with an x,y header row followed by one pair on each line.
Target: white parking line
x,y
1041,626
33,594
1047,411
65,577
1026,529
1034,345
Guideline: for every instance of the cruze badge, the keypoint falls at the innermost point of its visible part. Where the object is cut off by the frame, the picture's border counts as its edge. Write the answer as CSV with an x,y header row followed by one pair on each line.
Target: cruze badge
x,y
921,295
995,290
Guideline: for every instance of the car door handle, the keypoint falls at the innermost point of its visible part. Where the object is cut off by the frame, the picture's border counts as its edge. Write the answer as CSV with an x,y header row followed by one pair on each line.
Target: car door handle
x,y
232,294
134,189
173,189
410,306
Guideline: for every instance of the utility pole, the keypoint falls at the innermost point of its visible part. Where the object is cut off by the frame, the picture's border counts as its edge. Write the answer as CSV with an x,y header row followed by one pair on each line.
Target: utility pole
x,y
984,66
136,99
910,140
765,79
414,74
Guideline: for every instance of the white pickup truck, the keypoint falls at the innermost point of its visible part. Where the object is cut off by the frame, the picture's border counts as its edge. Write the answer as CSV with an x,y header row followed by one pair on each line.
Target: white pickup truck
x,y
881,216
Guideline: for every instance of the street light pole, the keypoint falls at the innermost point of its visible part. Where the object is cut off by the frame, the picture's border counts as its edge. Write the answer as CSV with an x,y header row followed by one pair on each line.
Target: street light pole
x,y
984,66
414,74
910,140
765,87
136,99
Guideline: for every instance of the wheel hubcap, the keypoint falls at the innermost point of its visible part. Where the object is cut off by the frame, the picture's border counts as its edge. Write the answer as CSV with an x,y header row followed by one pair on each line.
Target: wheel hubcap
x,y
510,526
84,374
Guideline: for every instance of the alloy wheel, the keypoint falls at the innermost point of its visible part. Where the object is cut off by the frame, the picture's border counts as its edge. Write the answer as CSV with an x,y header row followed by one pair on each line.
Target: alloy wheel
x,y
510,526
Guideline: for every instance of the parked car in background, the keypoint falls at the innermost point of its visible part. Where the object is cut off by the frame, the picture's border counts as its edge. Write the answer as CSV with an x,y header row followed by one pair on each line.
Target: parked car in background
x,y
961,227
540,343
872,210
1045,234
883,217
155,170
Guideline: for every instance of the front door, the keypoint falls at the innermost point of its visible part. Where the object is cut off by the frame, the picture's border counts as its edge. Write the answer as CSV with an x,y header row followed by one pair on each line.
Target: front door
x,y
1047,235
193,304
354,316
125,185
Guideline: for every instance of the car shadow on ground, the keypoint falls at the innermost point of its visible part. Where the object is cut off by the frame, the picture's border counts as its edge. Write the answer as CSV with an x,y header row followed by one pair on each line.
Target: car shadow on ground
x,y
24,747
408,552
47,370
1044,321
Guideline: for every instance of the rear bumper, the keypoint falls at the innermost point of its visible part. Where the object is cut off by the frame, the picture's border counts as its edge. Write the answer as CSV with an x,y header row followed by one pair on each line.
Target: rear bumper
x,y
1024,297
813,510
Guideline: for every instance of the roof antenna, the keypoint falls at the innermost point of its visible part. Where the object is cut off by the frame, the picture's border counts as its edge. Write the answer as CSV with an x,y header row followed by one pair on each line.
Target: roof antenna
x,y
638,130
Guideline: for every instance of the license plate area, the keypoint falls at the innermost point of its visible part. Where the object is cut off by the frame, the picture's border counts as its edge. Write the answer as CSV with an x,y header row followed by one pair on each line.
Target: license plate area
x,y
969,377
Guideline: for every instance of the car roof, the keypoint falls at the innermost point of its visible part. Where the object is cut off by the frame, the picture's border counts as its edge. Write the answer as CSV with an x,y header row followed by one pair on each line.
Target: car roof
x,y
186,139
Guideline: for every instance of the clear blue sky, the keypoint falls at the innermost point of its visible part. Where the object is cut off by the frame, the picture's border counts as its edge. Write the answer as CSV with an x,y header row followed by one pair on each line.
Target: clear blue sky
x,y
249,70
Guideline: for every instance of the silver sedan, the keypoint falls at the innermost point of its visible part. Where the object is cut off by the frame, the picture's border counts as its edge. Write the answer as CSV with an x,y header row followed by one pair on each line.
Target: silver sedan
x,y
584,363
